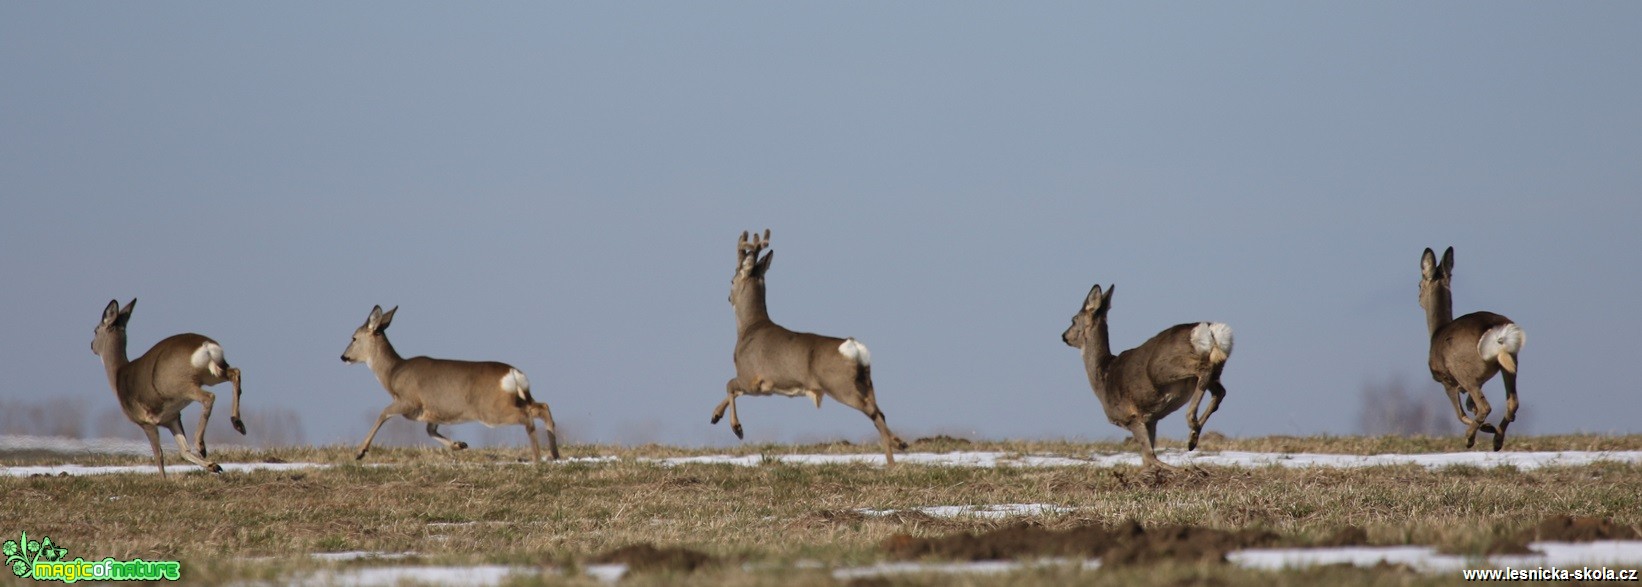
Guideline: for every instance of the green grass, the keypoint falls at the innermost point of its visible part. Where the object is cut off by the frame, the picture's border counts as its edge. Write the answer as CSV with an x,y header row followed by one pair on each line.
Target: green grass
x,y
484,507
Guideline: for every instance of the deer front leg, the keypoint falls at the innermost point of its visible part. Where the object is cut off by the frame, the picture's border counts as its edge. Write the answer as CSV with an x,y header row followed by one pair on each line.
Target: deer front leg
x,y
392,410
233,416
433,431
535,448
732,388
1217,392
153,435
1146,435
175,425
1510,380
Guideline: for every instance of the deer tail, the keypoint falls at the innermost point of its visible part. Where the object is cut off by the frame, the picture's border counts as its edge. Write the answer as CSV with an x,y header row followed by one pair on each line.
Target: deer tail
x,y
1501,343
1213,339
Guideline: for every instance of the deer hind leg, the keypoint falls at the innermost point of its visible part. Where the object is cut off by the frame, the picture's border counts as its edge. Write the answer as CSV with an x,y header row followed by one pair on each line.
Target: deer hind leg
x,y
206,400
1217,392
233,416
433,431
175,425
153,435
1510,380
546,416
864,402
392,410
1479,420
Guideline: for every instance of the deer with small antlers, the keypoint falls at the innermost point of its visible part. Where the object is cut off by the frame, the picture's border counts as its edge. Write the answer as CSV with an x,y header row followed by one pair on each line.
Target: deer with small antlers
x,y
1467,351
1147,383
443,391
771,360
154,388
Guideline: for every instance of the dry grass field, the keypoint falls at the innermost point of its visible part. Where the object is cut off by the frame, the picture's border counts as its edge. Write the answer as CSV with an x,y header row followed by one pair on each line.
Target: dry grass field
x,y
789,524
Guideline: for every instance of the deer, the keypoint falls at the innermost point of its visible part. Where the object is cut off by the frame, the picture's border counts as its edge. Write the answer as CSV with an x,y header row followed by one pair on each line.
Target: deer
x,y
154,388
1145,384
1467,351
771,360
444,391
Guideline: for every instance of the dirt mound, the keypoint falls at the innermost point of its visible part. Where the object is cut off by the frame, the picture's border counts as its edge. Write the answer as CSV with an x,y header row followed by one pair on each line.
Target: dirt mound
x,y
1347,536
646,557
1127,543
942,439
1578,529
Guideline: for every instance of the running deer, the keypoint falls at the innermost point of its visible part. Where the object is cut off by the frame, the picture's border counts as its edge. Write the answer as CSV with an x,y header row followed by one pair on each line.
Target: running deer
x,y
770,359
442,391
1147,383
154,388
1466,352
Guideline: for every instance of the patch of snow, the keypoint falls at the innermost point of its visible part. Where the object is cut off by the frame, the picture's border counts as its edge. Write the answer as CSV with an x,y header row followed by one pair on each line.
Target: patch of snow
x,y
170,469
608,574
354,555
1427,559
1520,460
475,576
995,512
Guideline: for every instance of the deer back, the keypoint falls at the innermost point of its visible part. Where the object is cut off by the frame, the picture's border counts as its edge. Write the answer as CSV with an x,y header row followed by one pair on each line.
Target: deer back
x,y
452,390
171,366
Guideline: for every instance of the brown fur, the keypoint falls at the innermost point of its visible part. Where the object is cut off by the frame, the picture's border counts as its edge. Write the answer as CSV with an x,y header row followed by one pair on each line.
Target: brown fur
x,y
154,388
1454,359
443,391
1147,383
770,359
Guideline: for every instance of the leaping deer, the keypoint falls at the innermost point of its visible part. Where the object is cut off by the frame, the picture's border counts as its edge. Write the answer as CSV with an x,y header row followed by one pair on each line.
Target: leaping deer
x,y
154,388
1467,351
1147,383
770,359
442,391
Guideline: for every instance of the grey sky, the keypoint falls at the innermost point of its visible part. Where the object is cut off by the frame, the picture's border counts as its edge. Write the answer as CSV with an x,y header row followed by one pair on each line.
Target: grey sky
x,y
560,186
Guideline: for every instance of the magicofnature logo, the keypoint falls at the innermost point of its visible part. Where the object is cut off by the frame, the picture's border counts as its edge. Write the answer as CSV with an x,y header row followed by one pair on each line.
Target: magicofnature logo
x,y
43,561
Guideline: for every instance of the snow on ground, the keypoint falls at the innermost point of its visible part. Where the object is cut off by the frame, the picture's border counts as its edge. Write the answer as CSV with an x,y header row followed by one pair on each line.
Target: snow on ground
x,y
58,444
475,576
1627,553
1485,459
995,512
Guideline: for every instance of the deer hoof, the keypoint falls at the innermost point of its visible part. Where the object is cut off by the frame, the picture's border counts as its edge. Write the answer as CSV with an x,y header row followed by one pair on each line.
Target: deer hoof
x,y
717,417
213,467
360,456
1470,441
1499,442
458,445
737,430
239,426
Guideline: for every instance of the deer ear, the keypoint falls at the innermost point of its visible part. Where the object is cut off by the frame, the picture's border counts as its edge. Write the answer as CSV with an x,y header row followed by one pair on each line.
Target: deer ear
x,y
387,318
125,313
1448,261
1092,301
1428,264
763,264
1106,301
111,312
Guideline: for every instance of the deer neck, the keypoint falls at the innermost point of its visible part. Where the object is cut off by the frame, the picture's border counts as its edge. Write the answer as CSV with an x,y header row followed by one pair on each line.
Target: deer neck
x,y
1097,353
749,308
1439,309
383,361
114,359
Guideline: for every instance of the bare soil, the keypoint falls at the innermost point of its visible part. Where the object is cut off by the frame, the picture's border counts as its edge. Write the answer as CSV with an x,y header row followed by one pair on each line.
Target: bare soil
x,y
1125,544
645,556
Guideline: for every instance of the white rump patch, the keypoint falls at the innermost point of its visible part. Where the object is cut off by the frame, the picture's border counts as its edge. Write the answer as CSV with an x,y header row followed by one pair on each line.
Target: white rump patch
x,y
1212,336
1508,338
856,352
208,357
515,383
